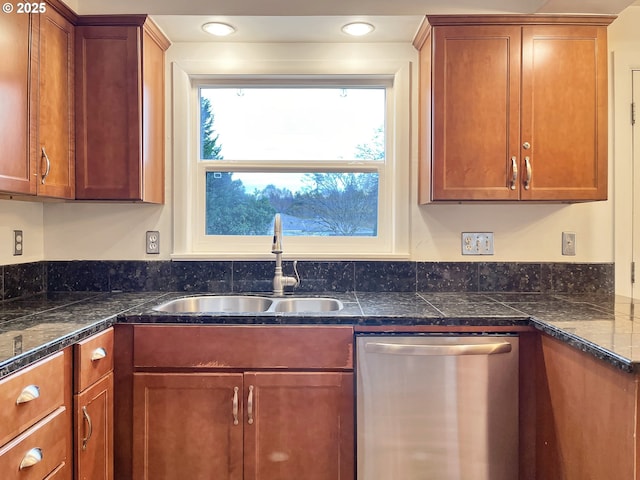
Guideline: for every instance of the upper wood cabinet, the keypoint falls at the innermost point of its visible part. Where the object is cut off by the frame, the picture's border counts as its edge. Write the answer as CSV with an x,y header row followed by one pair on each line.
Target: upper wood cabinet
x,y
120,109
18,75
54,156
513,108
36,121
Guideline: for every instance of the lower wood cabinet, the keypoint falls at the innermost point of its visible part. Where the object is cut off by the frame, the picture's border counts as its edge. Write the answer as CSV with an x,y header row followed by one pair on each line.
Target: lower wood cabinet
x,y
93,407
226,420
35,421
253,425
94,431
586,425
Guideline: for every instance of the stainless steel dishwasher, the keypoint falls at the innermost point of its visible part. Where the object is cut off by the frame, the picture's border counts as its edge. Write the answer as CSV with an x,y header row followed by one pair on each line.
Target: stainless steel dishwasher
x,y
437,407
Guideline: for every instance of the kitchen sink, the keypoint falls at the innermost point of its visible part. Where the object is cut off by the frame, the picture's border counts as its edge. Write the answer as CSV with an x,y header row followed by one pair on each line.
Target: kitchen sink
x,y
216,304
299,305
248,304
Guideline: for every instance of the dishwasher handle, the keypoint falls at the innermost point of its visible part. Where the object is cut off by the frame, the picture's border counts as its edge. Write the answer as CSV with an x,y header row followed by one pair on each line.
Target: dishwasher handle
x,y
438,349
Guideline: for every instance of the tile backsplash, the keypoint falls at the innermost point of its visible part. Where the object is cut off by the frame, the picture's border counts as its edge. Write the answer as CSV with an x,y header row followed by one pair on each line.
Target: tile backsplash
x,y
344,276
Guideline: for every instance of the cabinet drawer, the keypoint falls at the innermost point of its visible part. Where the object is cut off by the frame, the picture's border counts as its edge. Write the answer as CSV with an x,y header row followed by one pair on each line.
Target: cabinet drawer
x,y
40,389
48,439
242,347
93,359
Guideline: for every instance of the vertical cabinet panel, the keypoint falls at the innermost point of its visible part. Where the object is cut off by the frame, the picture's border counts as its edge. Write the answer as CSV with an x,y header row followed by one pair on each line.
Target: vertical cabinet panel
x,y
153,120
55,155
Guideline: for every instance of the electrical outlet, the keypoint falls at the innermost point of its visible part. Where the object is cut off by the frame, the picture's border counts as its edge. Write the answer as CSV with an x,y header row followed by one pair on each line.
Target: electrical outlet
x,y
153,242
18,242
477,243
568,243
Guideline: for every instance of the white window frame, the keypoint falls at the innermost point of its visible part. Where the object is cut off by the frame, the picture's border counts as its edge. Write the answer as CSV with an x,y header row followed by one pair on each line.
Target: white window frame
x,y
190,241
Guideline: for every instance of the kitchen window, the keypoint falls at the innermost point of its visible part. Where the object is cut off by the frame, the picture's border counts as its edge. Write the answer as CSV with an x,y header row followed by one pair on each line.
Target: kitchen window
x,y
319,150
313,155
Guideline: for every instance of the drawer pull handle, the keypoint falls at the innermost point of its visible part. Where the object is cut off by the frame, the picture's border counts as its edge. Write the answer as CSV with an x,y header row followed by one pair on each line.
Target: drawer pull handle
x,y
527,180
46,173
28,394
98,354
86,416
250,406
235,405
32,457
514,173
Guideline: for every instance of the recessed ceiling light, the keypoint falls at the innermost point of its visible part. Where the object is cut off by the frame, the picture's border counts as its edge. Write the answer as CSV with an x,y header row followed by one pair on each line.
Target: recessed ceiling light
x,y
218,29
357,29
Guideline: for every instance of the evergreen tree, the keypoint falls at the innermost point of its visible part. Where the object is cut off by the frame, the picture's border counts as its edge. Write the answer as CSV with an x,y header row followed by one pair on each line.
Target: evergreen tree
x,y
229,210
210,150
232,211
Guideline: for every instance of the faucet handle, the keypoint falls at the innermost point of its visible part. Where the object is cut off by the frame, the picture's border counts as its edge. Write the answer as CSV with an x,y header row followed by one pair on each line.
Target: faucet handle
x,y
295,270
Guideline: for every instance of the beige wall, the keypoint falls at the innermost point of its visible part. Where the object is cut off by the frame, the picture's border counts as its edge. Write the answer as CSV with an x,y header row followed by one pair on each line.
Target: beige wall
x,y
522,232
25,216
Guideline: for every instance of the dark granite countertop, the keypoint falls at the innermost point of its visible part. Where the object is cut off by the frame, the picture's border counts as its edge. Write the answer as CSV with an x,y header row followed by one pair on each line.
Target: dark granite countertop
x,y
33,327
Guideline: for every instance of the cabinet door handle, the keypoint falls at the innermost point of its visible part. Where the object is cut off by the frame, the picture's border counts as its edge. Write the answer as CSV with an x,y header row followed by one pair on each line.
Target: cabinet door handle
x,y
46,172
235,405
29,393
32,457
87,418
250,406
527,180
514,172
98,354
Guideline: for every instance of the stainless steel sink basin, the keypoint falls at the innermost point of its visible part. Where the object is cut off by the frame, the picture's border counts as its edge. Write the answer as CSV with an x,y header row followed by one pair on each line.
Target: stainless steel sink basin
x,y
216,304
248,304
307,305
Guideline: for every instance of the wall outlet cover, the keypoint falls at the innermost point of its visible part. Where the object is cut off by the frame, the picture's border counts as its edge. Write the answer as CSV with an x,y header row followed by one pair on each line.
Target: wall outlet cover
x,y
568,243
18,242
153,242
477,243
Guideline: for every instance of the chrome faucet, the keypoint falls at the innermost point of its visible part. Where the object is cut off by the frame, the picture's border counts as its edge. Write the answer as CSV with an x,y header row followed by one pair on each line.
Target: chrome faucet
x,y
279,280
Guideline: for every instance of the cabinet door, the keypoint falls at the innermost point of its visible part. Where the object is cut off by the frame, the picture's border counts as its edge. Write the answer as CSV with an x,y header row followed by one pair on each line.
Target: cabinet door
x,y
108,117
94,431
56,129
18,48
564,112
184,426
476,94
301,426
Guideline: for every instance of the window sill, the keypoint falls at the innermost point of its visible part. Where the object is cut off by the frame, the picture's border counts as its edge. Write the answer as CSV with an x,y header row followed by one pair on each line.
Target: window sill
x,y
184,257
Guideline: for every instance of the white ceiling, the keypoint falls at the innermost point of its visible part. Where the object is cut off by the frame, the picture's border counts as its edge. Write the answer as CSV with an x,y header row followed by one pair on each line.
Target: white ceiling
x,y
320,20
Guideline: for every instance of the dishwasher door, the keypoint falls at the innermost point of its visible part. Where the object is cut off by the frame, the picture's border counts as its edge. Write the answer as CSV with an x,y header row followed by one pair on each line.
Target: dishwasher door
x,y
437,407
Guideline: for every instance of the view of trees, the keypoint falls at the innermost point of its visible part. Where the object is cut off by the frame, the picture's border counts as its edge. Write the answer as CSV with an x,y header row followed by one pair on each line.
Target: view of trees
x,y
335,203
209,143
